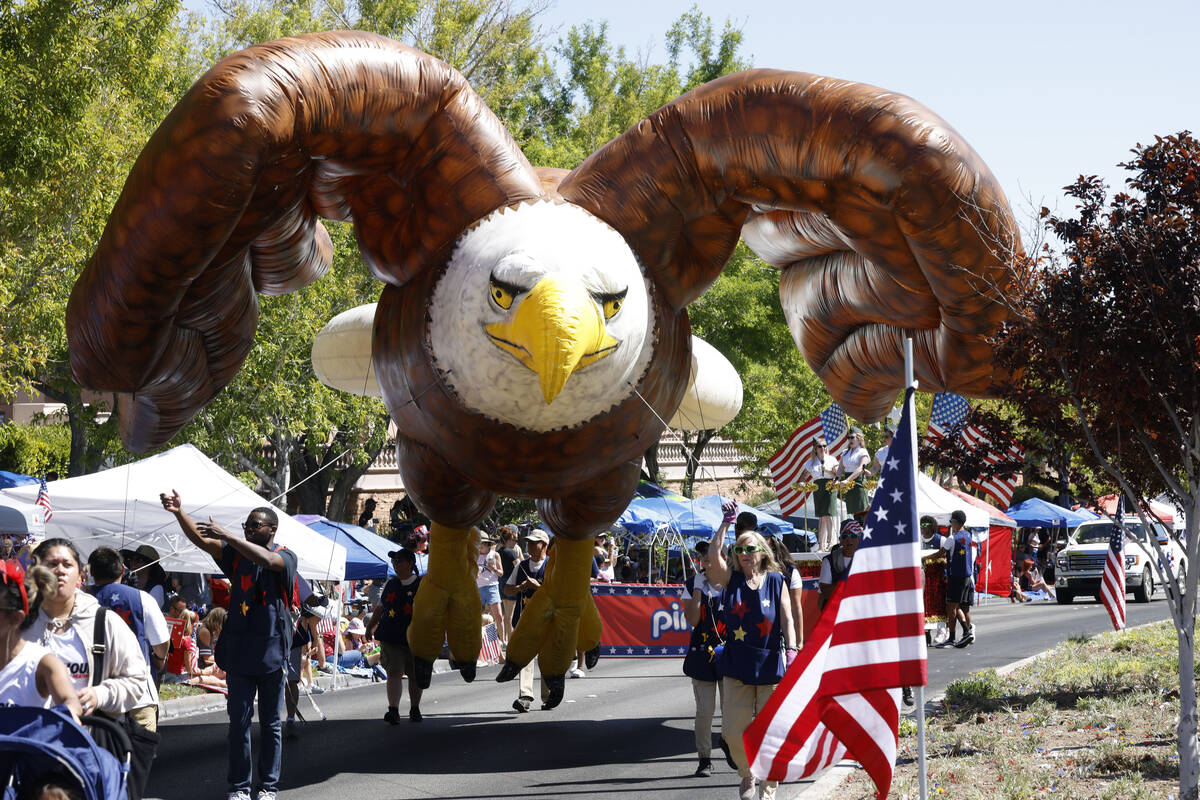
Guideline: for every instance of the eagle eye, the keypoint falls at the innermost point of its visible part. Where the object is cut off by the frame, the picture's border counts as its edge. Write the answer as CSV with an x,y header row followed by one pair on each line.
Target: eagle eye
x,y
502,293
611,303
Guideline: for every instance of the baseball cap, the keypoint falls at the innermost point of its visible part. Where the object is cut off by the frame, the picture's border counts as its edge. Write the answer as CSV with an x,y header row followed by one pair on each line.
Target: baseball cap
x,y
539,535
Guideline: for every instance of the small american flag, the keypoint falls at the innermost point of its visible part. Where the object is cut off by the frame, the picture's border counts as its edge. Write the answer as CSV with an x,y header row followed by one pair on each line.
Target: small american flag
x,y
946,416
490,651
43,500
787,465
840,697
1112,584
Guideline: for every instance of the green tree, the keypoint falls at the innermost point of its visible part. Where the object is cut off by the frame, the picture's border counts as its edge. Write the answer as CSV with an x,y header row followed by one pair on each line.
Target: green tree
x,y
1101,349
81,83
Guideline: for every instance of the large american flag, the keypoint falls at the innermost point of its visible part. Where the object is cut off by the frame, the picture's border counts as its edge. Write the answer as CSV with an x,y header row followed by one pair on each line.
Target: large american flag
x,y
43,500
1112,584
947,417
787,465
840,698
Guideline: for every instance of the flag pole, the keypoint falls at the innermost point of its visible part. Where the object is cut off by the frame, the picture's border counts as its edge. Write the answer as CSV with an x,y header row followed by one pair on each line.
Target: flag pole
x,y
921,781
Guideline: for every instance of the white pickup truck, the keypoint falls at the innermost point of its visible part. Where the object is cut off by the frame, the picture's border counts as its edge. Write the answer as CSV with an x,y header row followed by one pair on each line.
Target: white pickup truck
x,y
1079,565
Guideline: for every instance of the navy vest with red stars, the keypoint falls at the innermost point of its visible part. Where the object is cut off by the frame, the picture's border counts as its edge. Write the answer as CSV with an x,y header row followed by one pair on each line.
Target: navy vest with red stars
x,y
394,618
258,629
753,651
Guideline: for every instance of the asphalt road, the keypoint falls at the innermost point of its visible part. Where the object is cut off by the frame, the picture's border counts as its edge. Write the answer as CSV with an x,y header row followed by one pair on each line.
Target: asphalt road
x,y
625,731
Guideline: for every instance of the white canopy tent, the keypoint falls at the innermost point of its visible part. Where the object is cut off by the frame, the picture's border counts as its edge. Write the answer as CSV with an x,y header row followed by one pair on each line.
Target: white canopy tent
x,y
938,503
20,519
120,508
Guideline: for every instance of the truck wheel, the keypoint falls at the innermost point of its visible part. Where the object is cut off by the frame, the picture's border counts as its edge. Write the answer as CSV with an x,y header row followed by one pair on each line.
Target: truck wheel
x,y
1065,597
1145,592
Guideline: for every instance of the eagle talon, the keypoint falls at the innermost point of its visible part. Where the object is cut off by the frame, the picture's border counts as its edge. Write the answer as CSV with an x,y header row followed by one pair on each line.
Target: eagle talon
x,y
510,670
465,668
558,686
422,672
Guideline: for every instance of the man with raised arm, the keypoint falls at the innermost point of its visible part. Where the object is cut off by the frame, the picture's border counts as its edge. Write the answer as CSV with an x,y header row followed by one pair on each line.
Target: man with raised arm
x,y
254,643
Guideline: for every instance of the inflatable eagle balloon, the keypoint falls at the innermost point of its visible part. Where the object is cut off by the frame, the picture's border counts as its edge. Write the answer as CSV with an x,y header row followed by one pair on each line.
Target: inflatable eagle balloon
x,y
532,336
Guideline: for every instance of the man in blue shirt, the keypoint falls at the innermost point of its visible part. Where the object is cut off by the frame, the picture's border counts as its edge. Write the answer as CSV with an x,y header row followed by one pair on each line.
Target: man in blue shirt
x,y
253,646
959,545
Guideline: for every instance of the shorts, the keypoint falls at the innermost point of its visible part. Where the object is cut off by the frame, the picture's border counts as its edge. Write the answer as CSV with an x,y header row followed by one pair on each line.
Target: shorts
x,y
960,590
489,594
397,659
295,662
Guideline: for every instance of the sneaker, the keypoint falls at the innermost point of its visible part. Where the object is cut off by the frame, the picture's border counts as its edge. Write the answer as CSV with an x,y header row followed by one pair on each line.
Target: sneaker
x,y
705,768
907,694
746,788
576,672
766,790
414,715
265,795
392,717
948,643
240,794
966,640
521,705
289,729
317,689
303,690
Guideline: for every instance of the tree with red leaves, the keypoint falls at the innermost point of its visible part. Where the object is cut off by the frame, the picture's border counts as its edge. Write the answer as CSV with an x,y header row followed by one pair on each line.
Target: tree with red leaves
x,y
1102,351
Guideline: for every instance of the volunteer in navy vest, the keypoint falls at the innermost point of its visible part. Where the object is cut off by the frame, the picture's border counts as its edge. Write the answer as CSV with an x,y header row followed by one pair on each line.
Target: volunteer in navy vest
x,y
836,566
389,625
959,545
521,585
143,616
701,602
253,647
854,466
30,675
759,637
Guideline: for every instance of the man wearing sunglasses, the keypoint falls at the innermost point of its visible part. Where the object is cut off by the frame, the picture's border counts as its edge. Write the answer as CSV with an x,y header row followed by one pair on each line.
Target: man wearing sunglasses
x,y
836,566
253,646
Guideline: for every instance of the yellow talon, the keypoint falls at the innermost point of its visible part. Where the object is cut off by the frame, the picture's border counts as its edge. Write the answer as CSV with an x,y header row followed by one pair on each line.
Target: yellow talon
x,y
561,617
447,603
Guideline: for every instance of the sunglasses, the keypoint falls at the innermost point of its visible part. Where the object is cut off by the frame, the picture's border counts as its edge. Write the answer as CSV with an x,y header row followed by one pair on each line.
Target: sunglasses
x,y
849,535
250,526
744,549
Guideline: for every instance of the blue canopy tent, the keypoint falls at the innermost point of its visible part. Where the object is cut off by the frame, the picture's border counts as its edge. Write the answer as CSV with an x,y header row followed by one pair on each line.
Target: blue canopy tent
x,y
697,518
366,552
11,479
1037,513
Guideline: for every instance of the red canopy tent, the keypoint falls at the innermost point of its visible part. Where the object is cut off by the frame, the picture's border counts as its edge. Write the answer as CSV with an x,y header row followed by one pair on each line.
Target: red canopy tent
x,y
995,568
1108,505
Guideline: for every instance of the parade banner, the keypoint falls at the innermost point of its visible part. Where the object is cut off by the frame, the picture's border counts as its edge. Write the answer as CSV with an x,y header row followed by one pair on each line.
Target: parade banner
x,y
644,621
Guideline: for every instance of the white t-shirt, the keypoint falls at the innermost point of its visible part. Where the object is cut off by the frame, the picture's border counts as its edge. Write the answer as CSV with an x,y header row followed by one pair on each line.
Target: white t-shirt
x,y
881,456
72,651
534,566
157,631
821,468
853,459
489,577
18,679
795,581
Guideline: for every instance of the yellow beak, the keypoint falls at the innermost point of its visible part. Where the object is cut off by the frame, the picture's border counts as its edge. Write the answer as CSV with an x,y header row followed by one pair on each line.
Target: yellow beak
x,y
557,329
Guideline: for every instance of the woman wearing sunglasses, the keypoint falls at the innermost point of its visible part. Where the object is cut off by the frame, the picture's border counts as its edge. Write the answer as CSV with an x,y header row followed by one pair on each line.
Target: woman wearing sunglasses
x,y
756,622
855,463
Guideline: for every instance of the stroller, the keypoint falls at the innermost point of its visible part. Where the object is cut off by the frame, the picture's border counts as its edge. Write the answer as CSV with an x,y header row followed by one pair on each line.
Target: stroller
x,y
39,742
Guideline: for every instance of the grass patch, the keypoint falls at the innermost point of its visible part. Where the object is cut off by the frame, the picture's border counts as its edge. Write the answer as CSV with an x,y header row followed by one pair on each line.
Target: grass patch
x,y
173,691
1093,720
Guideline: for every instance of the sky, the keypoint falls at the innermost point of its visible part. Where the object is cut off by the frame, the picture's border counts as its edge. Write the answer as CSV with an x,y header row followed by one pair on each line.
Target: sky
x,y
1044,91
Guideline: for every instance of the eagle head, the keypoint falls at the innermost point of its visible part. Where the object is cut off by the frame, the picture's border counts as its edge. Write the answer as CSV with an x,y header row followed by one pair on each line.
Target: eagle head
x,y
542,318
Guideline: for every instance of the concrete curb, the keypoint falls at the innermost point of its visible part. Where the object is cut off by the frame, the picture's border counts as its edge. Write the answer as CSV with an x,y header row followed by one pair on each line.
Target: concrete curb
x,y
209,702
